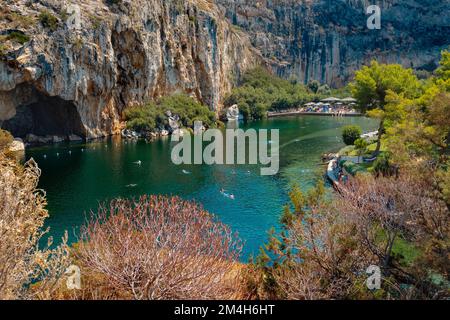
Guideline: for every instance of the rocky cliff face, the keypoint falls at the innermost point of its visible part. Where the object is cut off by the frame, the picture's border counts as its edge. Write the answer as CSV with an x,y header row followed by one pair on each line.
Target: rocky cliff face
x,y
86,61
328,40
71,67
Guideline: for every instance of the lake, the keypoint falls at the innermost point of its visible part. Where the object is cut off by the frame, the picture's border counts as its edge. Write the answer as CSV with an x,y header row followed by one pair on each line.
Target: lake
x,y
77,177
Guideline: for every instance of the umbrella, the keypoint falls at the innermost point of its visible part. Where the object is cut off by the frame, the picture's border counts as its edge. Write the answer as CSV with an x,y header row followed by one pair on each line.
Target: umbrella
x,y
331,99
349,99
310,104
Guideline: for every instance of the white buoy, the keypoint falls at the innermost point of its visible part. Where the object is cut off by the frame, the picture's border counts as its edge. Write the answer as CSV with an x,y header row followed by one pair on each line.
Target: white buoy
x,y
45,156
57,154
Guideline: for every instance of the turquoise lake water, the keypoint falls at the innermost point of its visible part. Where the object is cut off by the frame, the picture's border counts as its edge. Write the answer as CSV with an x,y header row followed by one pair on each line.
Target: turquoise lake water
x,y
82,175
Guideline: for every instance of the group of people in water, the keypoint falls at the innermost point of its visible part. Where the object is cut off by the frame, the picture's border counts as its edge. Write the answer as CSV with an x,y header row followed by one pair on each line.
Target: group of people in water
x,y
222,191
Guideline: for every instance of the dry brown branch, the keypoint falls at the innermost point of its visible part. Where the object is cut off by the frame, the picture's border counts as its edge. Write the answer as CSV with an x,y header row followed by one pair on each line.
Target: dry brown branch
x,y
160,248
22,216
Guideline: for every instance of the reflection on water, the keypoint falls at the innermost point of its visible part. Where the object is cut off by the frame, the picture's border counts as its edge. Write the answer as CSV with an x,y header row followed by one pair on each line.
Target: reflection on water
x,y
77,177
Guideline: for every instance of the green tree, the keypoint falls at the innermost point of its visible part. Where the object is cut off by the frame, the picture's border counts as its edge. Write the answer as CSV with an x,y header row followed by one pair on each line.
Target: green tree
x,y
360,146
350,134
314,85
373,84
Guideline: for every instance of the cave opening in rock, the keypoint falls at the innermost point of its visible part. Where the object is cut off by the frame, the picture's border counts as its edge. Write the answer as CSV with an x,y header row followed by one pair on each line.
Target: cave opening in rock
x,y
46,116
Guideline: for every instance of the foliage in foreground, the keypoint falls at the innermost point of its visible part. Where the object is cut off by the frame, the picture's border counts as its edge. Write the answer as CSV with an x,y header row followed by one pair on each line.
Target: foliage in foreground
x,y
156,248
397,224
22,216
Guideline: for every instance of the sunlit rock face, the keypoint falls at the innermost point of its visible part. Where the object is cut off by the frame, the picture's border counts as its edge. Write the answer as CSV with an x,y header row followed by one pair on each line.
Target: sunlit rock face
x,y
103,57
328,40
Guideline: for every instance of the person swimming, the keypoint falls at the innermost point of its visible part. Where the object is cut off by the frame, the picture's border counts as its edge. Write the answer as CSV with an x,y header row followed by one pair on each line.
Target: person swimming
x,y
131,185
227,195
138,162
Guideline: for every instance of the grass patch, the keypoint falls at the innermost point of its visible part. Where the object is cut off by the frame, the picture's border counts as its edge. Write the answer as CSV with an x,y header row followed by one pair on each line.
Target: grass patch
x,y
403,251
355,168
18,37
48,20
16,20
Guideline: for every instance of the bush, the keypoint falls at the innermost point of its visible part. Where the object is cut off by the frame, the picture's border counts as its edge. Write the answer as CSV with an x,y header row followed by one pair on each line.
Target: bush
x,y
48,20
159,248
326,245
153,115
350,134
22,217
18,37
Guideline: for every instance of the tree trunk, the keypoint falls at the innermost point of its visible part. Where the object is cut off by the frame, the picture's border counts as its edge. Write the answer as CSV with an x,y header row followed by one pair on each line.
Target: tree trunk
x,y
380,134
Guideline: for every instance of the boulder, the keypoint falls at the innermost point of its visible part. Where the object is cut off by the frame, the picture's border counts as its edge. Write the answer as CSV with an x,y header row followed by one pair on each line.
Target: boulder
x,y
174,123
58,139
233,113
17,145
31,138
75,138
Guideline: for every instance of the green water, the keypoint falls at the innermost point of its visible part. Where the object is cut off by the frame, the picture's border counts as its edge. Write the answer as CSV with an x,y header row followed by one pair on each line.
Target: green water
x,y
82,175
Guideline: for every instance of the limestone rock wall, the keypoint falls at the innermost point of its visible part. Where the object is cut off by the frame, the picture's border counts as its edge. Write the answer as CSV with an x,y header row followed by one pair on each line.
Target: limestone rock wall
x,y
103,56
327,40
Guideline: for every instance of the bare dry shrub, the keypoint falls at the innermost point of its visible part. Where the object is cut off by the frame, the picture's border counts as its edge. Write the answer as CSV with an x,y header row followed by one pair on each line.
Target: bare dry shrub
x,y
406,208
332,244
158,248
22,216
328,261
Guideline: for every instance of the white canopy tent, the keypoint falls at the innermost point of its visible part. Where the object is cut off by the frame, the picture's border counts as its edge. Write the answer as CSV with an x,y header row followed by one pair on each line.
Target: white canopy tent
x,y
331,100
